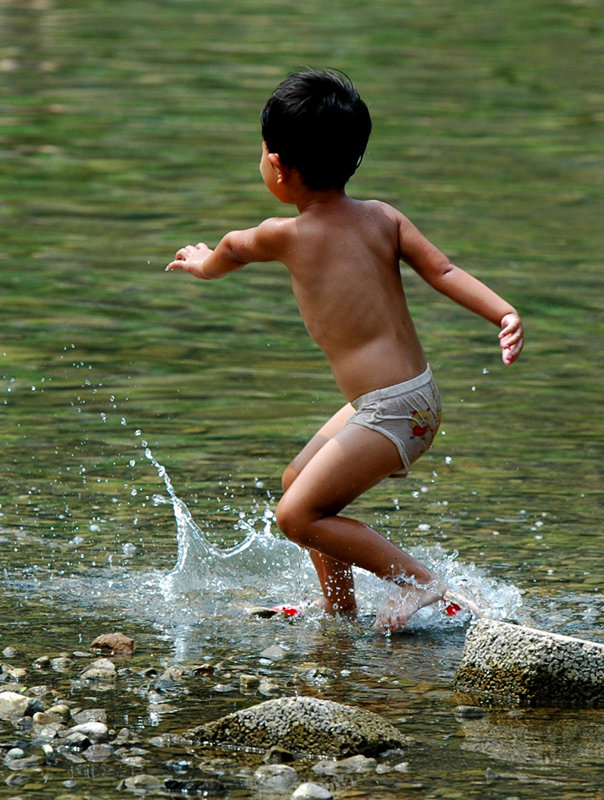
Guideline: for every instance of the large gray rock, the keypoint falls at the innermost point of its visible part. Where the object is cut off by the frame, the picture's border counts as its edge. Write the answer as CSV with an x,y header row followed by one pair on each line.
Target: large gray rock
x,y
532,666
303,725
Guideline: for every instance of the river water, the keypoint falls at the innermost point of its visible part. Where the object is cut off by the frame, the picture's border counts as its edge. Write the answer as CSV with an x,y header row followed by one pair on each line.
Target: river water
x,y
145,418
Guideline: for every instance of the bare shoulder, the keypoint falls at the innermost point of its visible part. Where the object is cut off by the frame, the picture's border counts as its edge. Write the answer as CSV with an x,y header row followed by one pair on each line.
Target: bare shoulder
x,y
389,212
268,241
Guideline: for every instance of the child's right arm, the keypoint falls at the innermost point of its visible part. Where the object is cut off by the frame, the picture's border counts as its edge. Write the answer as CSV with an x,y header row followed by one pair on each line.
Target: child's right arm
x,y
436,269
235,250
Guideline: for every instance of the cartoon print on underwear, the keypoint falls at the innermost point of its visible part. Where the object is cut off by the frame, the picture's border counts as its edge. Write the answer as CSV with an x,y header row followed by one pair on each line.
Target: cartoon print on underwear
x,y
421,423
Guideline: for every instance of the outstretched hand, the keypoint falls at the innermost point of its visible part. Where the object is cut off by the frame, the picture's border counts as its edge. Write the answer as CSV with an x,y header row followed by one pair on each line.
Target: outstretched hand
x,y
191,259
511,337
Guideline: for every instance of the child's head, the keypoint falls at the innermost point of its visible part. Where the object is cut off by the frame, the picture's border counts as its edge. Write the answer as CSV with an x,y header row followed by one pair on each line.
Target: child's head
x,y
317,123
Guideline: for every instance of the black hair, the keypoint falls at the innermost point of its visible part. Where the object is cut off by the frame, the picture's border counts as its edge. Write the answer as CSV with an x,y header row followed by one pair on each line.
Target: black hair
x,y
317,123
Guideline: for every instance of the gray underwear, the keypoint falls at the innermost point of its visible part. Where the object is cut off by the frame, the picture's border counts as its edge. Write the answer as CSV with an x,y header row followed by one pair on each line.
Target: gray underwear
x,y
407,413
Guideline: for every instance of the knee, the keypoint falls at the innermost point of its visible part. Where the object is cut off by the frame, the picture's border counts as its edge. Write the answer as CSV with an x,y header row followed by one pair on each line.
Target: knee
x,y
293,522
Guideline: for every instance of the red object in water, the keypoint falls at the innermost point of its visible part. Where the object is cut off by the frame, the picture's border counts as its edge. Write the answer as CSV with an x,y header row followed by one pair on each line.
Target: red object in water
x,y
289,611
452,609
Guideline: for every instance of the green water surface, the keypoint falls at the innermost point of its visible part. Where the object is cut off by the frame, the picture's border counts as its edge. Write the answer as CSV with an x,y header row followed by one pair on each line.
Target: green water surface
x,y
129,129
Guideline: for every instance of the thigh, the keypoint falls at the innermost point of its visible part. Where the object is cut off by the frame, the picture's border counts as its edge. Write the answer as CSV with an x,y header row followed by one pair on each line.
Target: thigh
x,y
326,432
349,463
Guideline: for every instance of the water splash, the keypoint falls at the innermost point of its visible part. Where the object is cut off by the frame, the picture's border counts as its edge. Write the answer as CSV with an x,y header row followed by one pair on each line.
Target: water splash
x,y
202,567
277,570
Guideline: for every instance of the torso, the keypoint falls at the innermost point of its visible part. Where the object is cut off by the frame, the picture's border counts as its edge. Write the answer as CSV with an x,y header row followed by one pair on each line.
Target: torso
x,y
345,273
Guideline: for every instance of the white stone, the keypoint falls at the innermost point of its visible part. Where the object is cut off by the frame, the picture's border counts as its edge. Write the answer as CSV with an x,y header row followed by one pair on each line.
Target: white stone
x,y
311,791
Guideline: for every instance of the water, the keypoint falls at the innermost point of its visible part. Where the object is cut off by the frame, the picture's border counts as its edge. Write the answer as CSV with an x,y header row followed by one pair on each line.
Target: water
x,y
127,130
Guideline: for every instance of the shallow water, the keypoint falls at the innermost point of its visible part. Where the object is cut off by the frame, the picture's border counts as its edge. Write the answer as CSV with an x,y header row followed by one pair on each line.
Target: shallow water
x,y
127,130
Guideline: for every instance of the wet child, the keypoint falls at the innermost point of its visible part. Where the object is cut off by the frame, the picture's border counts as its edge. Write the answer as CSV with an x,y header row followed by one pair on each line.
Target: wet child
x,y
343,256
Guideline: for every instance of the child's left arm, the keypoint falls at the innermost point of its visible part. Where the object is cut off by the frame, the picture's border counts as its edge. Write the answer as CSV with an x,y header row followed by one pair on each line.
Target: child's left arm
x,y
235,250
436,269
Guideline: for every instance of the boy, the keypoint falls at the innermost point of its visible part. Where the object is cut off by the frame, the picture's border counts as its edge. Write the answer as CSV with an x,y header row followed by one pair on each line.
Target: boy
x,y
343,257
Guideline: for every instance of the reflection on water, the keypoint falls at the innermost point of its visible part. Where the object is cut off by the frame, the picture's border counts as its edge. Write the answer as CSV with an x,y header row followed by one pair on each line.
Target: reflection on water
x,y
126,131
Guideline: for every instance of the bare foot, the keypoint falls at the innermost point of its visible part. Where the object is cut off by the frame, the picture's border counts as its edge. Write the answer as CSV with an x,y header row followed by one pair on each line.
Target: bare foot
x,y
404,601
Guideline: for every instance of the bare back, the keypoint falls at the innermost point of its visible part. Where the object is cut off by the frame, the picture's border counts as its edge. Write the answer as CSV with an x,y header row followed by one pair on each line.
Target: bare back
x,y
343,257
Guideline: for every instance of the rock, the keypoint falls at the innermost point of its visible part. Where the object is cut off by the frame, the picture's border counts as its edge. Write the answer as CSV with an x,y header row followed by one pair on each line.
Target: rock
x,y
61,664
10,652
316,674
249,681
89,715
27,762
199,670
113,643
100,671
13,673
273,653
13,705
268,687
261,612
76,742
311,791
276,776
531,666
141,783
204,787
95,731
306,725
347,766
47,732
98,752
278,755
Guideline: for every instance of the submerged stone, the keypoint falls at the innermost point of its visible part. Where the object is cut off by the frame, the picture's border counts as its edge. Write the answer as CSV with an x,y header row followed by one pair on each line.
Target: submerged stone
x,y
303,725
276,776
13,704
114,642
531,666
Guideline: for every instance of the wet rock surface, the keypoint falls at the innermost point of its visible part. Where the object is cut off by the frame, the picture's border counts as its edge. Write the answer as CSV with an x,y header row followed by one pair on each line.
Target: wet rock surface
x,y
533,666
307,724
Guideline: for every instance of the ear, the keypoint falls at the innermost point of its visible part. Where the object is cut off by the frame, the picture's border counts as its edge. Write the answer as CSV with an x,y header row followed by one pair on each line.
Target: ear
x,y
283,172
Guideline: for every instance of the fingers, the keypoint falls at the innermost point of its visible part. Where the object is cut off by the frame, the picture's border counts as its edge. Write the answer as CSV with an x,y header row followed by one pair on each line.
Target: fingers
x,y
511,338
180,257
510,350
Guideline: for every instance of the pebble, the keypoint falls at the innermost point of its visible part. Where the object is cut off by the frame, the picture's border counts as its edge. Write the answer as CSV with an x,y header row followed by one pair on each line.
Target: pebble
x,y
276,776
268,687
95,731
346,766
311,791
249,681
102,670
13,673
59,710
274,653
98,752
89,715
61,664
141,783
13,704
